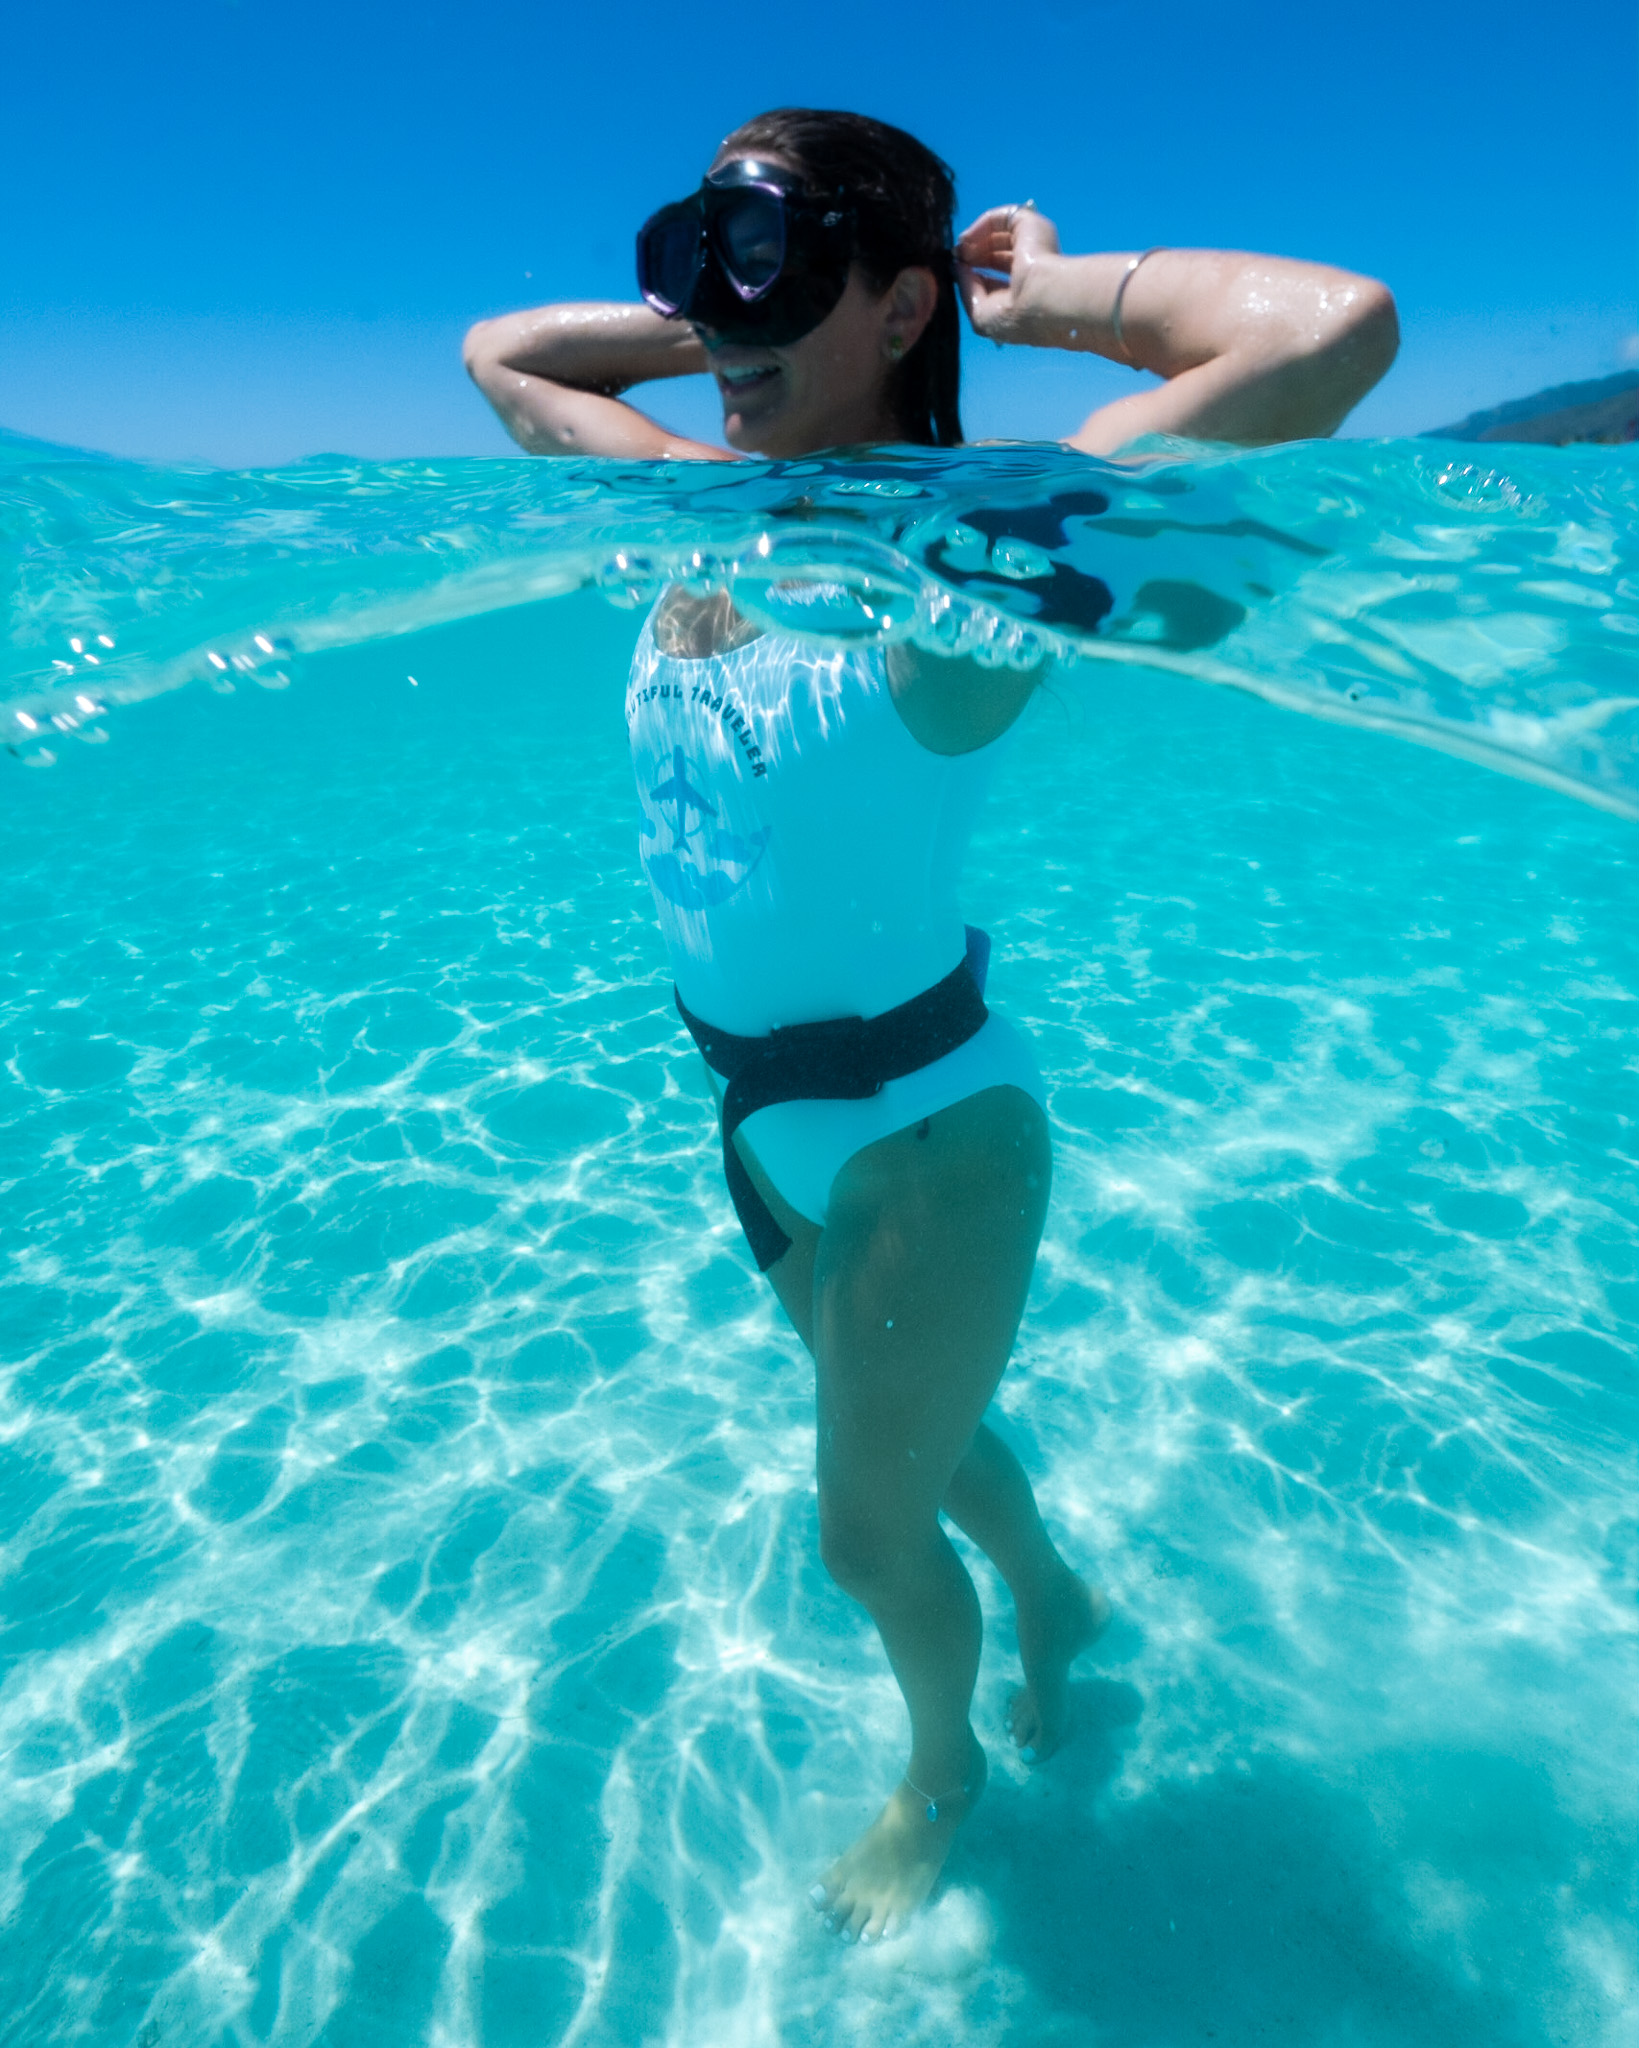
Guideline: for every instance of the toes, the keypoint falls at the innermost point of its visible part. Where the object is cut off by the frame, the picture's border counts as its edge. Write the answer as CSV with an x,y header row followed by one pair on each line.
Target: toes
x,y
831,1904
843,1916
1024,1723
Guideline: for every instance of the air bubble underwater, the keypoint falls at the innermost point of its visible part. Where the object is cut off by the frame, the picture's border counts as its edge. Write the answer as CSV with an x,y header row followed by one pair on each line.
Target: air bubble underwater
x,y
776,583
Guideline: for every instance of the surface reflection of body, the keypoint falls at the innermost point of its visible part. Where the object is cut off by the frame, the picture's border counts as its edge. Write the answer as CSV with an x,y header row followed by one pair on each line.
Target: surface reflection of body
x,y
814,277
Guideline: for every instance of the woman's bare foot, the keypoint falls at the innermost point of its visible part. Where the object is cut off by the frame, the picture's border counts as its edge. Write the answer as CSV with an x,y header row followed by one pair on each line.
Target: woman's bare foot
x,y
873,1888
1052,1635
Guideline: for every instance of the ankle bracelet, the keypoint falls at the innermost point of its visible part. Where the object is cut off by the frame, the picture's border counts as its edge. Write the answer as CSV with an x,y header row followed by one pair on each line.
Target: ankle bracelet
x,y
932,1808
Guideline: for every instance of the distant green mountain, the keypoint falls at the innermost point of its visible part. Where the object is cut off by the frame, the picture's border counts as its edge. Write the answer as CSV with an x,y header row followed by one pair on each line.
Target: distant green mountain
x,y
1604,409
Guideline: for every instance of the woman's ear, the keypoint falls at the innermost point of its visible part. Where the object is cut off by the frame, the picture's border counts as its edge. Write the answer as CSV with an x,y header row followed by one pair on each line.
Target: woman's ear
x,y
907,307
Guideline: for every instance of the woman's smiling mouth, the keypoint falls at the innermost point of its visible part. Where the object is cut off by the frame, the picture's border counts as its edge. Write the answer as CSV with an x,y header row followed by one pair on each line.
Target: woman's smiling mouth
x,y
739,380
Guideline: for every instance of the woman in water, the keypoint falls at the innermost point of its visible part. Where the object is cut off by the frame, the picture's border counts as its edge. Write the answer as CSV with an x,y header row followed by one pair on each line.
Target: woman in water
x,y
805,813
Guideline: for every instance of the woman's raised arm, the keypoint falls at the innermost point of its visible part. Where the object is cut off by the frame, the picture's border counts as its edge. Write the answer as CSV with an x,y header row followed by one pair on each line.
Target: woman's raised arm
x,y
1254,348
554,375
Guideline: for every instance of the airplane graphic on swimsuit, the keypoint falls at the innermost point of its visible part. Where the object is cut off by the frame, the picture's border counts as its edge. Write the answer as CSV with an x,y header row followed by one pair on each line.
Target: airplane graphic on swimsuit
x,y
719,854
677,789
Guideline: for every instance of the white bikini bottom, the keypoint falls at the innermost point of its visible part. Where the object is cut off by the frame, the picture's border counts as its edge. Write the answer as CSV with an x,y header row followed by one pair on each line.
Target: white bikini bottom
x,y
802,1146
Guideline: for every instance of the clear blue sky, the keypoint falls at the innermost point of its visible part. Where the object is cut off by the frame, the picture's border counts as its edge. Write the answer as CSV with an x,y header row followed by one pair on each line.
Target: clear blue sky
x,y
252,229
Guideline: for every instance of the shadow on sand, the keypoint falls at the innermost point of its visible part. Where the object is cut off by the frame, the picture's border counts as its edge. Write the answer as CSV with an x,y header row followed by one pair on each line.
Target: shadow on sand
x,y
1410,1908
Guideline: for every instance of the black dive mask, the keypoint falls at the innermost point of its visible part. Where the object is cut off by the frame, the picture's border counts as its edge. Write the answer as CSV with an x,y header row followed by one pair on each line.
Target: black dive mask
x,y
750,255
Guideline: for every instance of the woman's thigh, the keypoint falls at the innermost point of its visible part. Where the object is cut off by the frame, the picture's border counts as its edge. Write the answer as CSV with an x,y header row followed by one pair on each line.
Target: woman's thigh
x,y
919,1280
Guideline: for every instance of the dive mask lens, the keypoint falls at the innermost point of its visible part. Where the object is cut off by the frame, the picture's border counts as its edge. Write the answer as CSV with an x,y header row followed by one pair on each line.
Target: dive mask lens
x,y
749,257
671,246
749,232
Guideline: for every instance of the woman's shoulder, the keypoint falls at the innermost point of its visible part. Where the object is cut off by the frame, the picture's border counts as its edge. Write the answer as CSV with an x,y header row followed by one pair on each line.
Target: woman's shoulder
x,y
690,628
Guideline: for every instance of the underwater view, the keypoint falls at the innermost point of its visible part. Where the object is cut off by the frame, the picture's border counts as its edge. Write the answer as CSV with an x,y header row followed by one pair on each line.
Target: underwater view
x,y
412,1620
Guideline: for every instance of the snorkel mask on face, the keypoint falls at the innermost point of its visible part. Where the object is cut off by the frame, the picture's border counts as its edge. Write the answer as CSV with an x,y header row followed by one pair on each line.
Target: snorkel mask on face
x,y
750,256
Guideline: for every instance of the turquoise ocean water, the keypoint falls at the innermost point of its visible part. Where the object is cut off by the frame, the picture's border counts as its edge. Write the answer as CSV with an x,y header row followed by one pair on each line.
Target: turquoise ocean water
x,y
411,1627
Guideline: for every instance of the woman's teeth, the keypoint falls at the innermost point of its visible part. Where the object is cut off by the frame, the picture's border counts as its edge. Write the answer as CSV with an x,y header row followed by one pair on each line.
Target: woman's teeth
x,y
743,375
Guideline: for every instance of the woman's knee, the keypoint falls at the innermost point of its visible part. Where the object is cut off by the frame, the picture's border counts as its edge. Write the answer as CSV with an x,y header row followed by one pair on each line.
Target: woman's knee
x,y
863,1550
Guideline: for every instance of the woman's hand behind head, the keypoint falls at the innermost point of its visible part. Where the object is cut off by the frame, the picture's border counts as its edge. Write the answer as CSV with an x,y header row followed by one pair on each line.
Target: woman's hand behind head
x,y
997,261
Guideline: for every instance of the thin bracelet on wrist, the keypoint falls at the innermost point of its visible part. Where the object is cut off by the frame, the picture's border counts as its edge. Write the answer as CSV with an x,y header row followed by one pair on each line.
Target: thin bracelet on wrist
x,y
1121,292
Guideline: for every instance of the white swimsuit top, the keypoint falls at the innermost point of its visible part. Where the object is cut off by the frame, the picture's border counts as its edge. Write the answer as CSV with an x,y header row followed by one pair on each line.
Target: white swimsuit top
x,y
803,848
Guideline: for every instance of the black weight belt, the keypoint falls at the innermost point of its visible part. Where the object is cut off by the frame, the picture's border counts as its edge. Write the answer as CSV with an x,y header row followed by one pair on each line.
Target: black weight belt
x,y
842,1059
